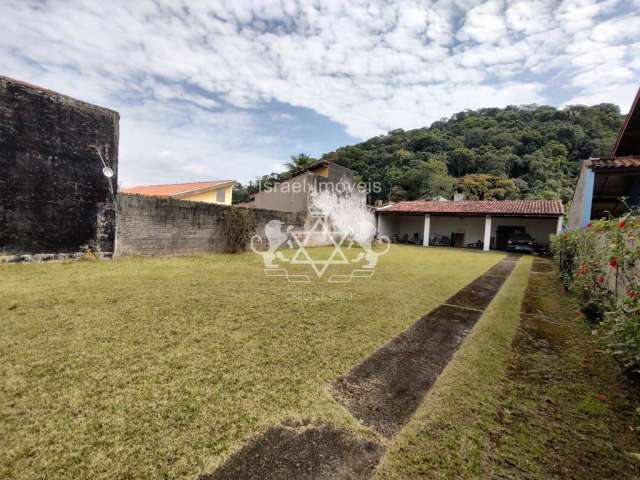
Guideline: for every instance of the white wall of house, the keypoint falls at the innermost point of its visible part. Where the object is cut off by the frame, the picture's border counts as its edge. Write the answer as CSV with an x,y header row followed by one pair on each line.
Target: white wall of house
x,y
472,227
539,228
390,225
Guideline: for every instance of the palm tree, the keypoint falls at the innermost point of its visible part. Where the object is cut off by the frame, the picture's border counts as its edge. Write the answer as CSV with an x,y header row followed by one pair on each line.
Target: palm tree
x,y
299,162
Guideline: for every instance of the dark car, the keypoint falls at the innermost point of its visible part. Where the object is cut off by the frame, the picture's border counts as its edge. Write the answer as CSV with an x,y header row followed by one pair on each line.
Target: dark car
x,y
520,242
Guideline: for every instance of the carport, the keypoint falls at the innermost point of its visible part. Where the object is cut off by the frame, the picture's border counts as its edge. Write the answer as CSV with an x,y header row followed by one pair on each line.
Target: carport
x,y
482,224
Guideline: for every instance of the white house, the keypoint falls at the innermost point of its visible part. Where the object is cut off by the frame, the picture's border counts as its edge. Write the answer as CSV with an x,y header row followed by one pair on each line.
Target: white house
x,y
484,224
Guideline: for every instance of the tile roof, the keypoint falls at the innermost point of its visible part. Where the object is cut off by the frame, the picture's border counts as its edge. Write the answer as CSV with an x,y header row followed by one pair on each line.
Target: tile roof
x,y
177,190
479,207
617,162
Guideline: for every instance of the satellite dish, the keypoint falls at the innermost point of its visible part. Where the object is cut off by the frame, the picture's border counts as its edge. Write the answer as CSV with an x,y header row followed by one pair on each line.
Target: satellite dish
x,y
107,172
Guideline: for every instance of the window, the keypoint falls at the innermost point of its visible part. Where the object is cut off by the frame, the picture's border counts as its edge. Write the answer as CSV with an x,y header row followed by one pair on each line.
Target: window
x,y
220,195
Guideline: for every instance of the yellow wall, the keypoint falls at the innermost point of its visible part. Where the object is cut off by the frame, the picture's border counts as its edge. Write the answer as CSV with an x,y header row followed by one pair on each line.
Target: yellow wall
x,y
211,197
323,172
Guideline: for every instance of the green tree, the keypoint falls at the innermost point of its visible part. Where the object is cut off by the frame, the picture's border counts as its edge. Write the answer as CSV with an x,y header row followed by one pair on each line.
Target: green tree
x,y
461,161
519,142
482,186
425,180
240,194
299,162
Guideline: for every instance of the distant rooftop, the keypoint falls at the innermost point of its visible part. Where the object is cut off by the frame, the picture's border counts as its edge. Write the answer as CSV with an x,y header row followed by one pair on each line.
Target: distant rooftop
x,y
177,190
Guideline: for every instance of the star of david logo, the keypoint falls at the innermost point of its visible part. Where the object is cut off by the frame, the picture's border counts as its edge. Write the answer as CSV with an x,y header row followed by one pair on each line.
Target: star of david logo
x,y
319,229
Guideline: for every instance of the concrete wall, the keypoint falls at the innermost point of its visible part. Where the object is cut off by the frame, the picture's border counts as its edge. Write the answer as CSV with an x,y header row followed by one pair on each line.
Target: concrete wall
x,y
576,213
53,195
294,194
162,226
288,196
330,191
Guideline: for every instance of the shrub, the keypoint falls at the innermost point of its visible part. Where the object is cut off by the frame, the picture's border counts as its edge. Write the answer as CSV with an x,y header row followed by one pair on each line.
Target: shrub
x,y
239,226
601,266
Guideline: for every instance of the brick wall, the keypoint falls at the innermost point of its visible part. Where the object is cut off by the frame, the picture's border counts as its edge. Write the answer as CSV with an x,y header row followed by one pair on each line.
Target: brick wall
x,y
161,226
53,195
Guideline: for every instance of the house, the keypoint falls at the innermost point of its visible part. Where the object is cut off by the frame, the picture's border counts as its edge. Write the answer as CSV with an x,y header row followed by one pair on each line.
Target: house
x,y
484,223
214,191
610,186
294,194
324,191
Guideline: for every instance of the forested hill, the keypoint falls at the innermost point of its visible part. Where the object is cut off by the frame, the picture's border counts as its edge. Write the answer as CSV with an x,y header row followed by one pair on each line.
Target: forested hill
x,y
513,152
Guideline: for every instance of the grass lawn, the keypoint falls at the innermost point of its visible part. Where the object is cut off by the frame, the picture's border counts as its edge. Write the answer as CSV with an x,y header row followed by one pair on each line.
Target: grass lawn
x,y
157,368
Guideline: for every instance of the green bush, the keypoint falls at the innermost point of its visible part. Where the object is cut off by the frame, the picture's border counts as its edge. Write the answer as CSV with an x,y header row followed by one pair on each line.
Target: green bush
x,y
601,266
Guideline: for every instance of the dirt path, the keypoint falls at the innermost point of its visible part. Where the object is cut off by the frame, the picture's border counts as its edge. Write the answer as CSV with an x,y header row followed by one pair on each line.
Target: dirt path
x,y
385,389
382,392
302,452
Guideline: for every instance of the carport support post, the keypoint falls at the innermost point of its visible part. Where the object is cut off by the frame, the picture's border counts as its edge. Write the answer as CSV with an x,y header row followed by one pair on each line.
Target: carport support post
x,y
487,233
427,227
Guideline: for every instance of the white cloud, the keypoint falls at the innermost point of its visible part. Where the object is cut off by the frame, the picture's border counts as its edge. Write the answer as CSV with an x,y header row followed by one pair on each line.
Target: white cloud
x,y
190,78
484,23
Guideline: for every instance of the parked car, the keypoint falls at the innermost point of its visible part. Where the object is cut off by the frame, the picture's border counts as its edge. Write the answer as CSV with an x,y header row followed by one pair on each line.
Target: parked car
x,y
520,242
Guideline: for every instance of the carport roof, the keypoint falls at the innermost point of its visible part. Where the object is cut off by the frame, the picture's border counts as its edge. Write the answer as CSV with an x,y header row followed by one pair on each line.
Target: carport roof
x,y
547,208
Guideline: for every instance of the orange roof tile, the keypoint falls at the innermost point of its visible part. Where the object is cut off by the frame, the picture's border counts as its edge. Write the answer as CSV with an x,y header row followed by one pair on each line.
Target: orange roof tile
x,y
617,162
177,190
478,207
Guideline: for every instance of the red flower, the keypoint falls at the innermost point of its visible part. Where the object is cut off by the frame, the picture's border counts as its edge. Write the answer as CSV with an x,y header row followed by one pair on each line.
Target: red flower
x,y
600,279
632,293
622,224
589,225
565,237
613,263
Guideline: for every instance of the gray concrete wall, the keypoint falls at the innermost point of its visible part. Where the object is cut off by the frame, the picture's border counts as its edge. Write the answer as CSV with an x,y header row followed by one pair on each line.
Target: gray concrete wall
x,y
53,195
293,195
161,226
288,196
574,220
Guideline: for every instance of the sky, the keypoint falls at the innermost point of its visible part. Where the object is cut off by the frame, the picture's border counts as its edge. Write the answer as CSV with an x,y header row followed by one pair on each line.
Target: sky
x,y
230,89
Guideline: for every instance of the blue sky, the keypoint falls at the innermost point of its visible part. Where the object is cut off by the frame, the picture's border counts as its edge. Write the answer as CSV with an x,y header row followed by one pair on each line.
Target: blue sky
x,y
230,89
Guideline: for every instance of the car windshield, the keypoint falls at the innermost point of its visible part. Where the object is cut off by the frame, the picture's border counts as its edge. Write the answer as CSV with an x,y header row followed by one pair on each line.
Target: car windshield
x,y
520,237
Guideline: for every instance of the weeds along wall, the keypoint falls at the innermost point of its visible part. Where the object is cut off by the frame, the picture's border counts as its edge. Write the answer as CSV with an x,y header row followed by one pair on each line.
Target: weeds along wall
x,y
163,226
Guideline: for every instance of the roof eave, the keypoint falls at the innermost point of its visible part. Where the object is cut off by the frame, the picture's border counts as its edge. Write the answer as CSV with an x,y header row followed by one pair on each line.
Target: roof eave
x,y
198,191
472,214
623,129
